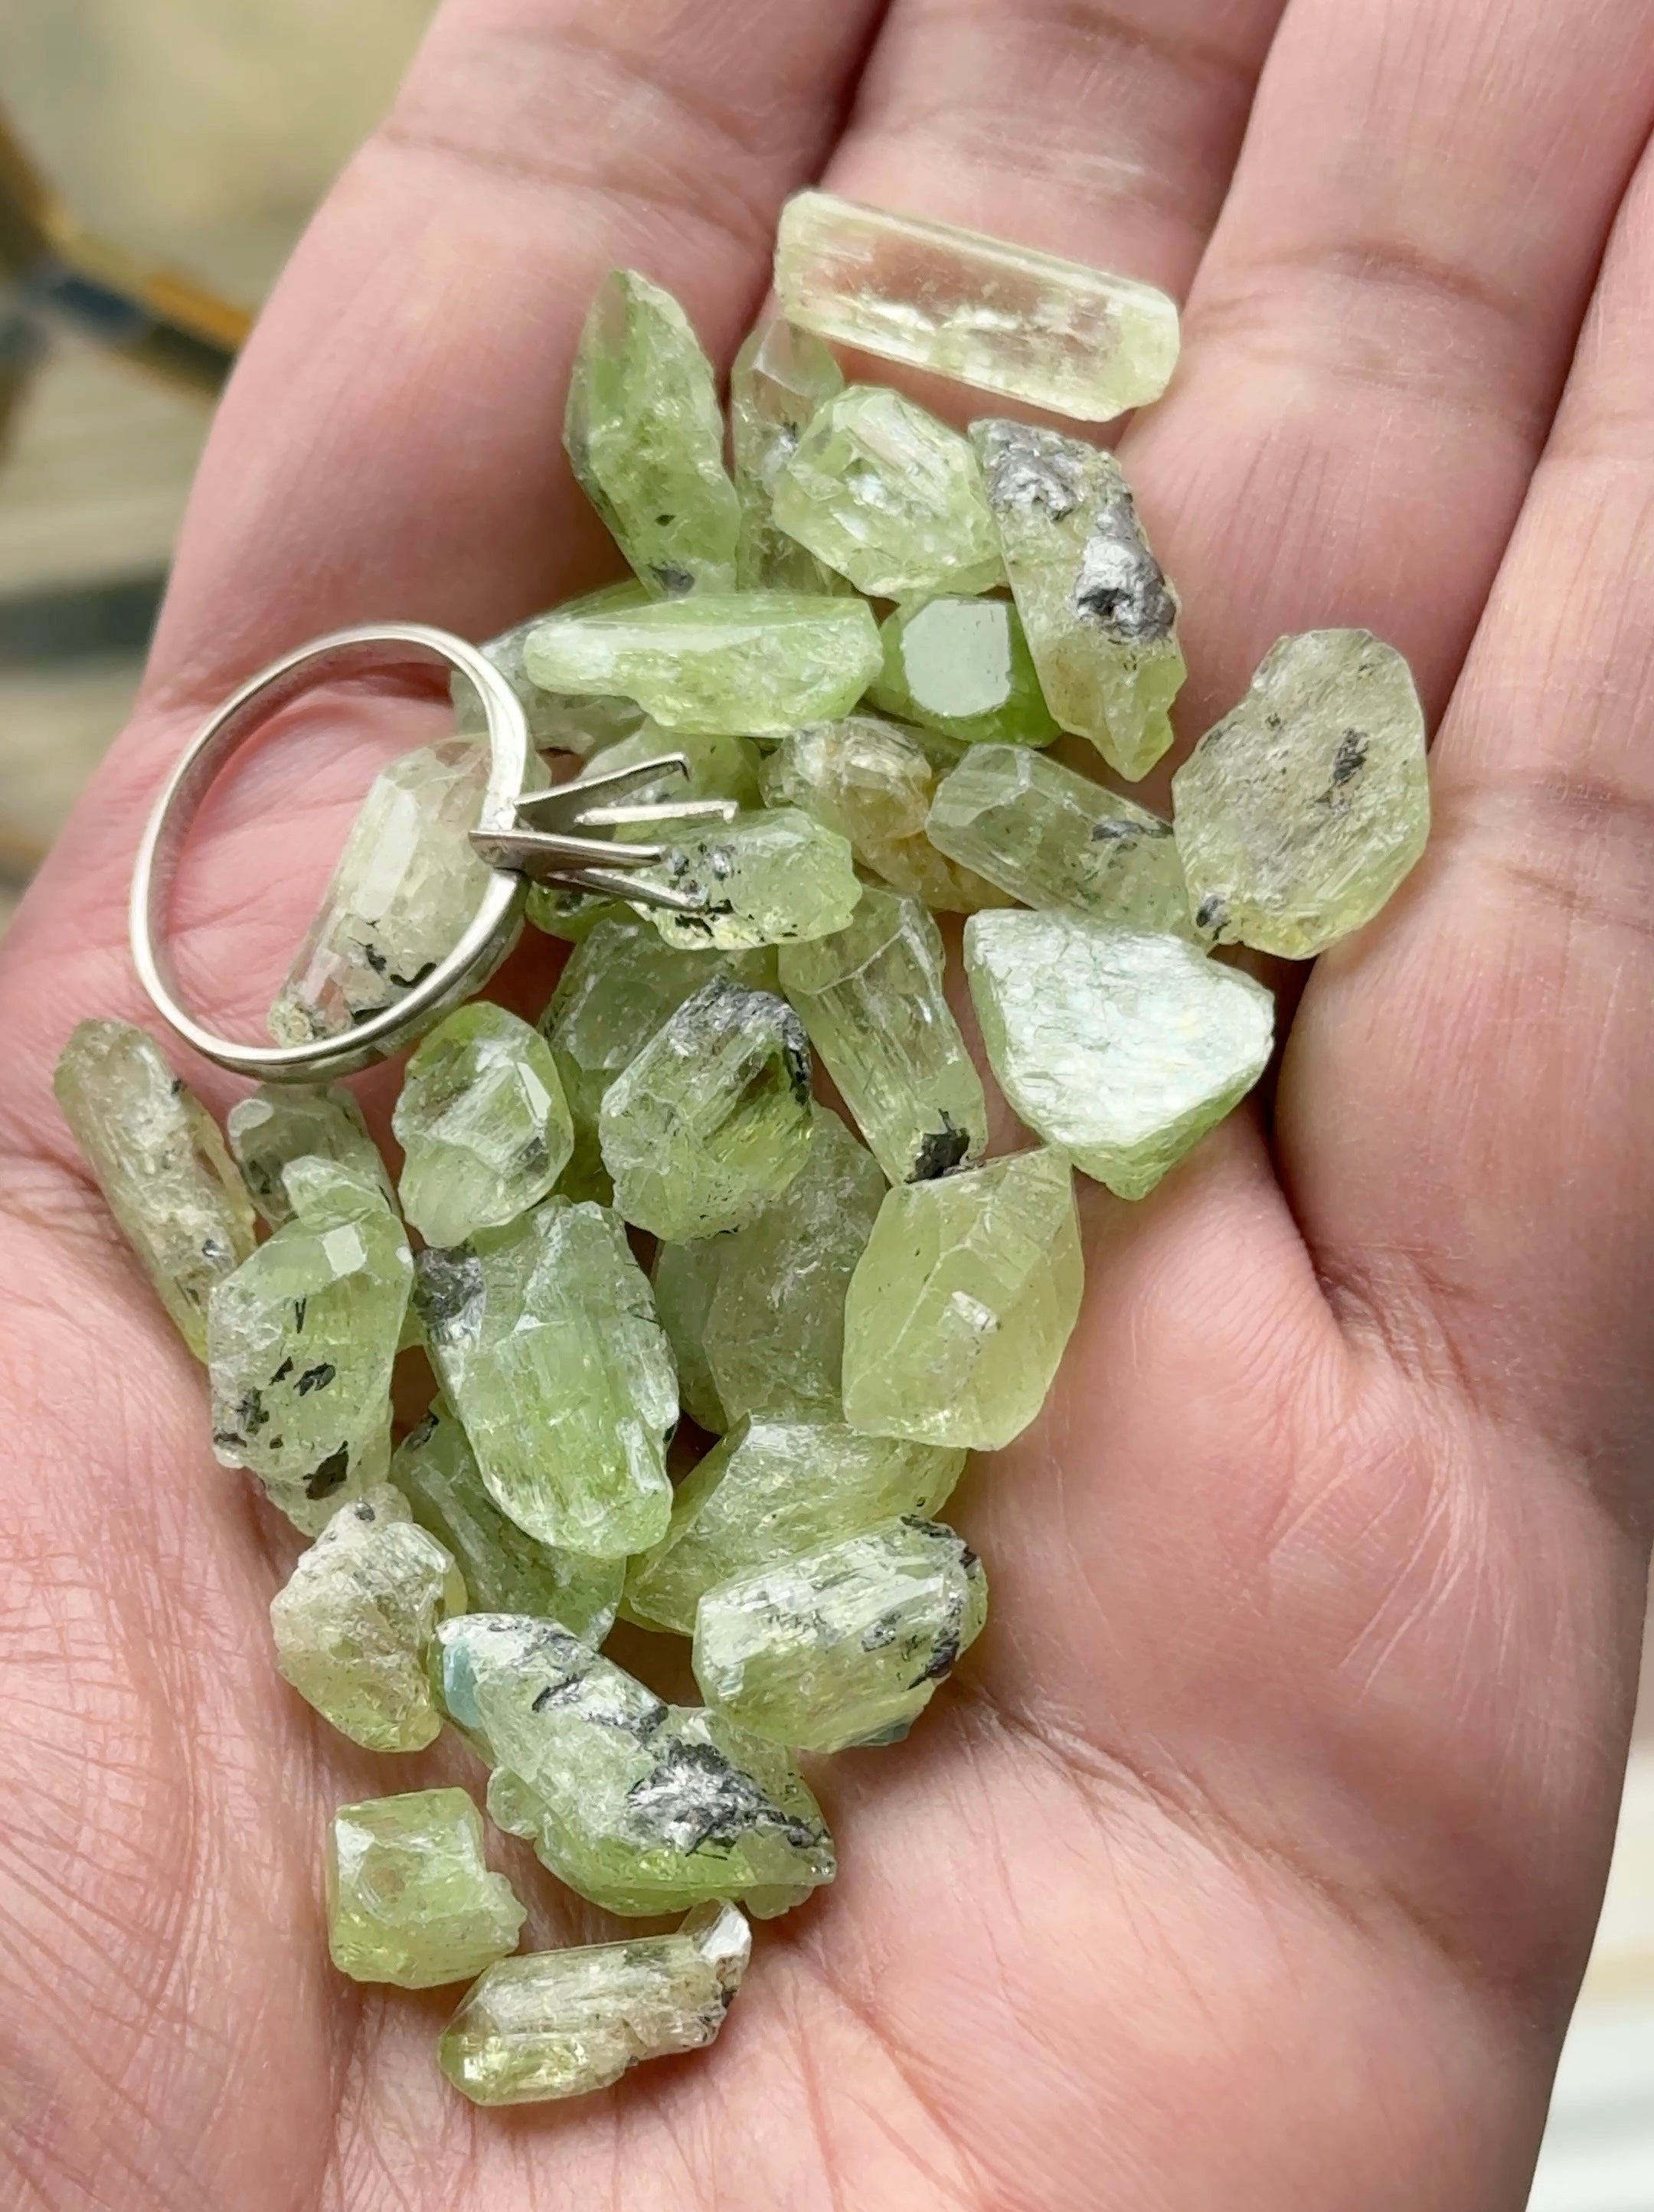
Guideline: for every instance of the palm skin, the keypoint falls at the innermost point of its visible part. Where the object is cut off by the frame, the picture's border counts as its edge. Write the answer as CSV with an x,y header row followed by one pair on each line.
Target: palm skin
x,y
1251,1859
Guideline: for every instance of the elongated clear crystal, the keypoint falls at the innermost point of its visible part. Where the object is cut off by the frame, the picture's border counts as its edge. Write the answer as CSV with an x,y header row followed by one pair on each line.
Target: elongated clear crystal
x,y
781,377
765,880
484,1127
286,1122
559,722
410,1897
962,667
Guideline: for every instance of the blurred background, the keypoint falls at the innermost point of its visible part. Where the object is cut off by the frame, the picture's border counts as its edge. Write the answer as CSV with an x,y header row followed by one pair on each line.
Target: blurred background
x,y
196,137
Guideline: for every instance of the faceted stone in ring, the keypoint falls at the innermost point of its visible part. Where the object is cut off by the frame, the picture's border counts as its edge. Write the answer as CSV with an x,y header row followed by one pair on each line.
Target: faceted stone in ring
x,y
1100,618
890,497
753,664
872,1002
781,377
559,722
560,2023
484,1127
1302,811
281,1122
846,1644
961,666
964,1300
764,879
1048,333
772,1490
158,1158
410,1897
543,1339
710,1122
645,435
353,1619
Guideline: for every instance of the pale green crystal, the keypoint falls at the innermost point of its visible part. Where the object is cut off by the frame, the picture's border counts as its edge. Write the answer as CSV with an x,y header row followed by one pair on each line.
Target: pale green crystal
x,y
710,1122
506,1570
410,1897
482,1123
890,497
645,435
353,1619
572,915
764,879
543,1339
771,1490
752,662
286,1122
156,1155
781,377
640,1805
872,1002
559,722
1100,618
719,766
560,2023
845,1645
1051,333
310,1501
961,666
958,1312
1301,812
684,1280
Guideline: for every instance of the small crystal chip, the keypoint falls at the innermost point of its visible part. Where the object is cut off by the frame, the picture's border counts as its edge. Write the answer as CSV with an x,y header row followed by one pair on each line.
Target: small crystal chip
x,y
781,377
962,667
410,1897
484,1127
768,878
281,1122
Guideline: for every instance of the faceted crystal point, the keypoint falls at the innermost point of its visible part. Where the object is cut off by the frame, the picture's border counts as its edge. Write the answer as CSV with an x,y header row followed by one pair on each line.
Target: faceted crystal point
x,y
543,1339
1301,812
710,1122
765,880
1100,616
160,1162
645,434
774,1489
890,497
286,1122
482,1123
1048,332
843,1645
755,664
506,1570
873,1003
781,377
1052,838
559,2023
961,666
353,1620
558,721
958,1313
410,1897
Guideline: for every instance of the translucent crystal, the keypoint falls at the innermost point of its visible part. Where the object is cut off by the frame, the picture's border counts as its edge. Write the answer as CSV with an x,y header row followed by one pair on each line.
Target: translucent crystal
x,y
410,1897
1301,812
961,666
764,879
1050,333
559,2023
543,1339
773,1489
559,722
482,1123
710,1122
890,497
286,1122
1100,616
781,377
719,766
161,1164
645,435
752,663
958,1313
873,1003
845,1645
570,915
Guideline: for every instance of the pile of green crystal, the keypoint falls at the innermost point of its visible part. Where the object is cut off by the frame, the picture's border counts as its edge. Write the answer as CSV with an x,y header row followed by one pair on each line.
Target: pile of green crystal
x,y
869,631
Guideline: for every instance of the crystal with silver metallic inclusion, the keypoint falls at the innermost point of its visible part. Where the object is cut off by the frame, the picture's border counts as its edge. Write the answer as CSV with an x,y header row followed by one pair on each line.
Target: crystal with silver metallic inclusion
x,y
781,377
410,1897
281,1122
484,1127
765,880
961,666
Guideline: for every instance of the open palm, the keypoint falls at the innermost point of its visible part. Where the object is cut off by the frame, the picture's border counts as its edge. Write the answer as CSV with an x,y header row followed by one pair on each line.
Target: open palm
x,y
1252,1856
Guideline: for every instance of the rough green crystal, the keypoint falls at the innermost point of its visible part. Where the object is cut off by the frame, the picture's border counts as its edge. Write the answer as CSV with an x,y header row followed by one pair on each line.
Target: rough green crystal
x,y
764,879
961,666
773,1489
1048,333
755,664
1299,814
1100,616
353,1619
559,722
781,377
710,1122
159,1160
685,1280
559,2023
845,1645
410,1897
890,497
506,1570
873,1003
484,1127
645,435
570,915
286,1122
640,1805
958,1313
719,766
543,1339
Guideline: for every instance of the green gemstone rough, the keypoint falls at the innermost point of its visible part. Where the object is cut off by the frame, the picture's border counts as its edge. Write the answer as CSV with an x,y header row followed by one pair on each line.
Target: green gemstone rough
x,y
559,722
410,1897
286,1122
961,666
765,880
484,1127
781,377
685,1280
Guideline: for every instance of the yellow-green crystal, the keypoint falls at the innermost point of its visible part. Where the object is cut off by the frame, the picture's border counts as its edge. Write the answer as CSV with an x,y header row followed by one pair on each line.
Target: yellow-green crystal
x,y
281,1122
781,377
560,722
685,1280
963,1302
158,1158
961,666
410,1897
484,1127
845,1645
719,766
764,879
1302,811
